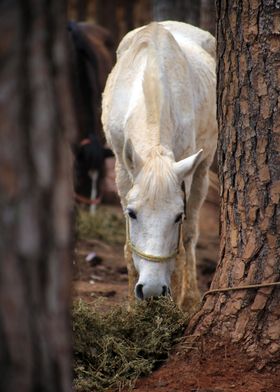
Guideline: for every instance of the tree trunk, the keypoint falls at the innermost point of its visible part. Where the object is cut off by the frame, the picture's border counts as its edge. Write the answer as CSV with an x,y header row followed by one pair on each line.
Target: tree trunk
x,y
107,16
208,16
249,161
82,6
163,10
35,198
180,10
192,13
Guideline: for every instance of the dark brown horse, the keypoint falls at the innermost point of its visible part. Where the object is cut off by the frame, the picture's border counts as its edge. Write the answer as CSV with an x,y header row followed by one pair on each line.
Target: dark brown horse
x,y
91,62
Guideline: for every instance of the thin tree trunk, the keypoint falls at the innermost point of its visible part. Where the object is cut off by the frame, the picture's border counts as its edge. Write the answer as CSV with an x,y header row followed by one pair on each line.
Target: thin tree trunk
x,y
180,10
81,6
106,16
163,10
192,13
35,198
208,16
249,161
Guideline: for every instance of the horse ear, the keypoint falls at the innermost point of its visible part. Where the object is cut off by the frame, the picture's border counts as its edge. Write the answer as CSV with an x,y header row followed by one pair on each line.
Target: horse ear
x,y
187,166
131,159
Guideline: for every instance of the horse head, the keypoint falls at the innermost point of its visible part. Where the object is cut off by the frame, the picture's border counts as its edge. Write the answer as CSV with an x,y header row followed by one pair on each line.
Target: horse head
x,y
154,211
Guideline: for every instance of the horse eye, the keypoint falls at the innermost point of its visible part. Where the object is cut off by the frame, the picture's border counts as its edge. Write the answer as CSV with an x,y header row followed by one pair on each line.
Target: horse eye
x,y
178,218
132,214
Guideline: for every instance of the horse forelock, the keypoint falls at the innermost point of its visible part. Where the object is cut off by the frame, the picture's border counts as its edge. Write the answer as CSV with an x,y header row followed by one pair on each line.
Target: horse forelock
x,y
157,180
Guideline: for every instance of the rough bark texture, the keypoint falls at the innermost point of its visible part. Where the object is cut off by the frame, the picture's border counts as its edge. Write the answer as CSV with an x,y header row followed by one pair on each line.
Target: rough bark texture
x,y
249,161
35,118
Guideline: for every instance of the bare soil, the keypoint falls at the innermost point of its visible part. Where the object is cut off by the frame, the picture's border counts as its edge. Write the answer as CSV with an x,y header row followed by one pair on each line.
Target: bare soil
x,y
210,368
207,366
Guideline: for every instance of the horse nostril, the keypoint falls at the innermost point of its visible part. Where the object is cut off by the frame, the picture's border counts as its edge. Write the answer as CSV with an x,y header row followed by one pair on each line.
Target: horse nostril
x,y
165,291
139,291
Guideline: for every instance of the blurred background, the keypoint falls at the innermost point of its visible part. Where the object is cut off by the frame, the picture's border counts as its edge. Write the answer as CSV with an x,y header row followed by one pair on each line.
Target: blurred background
x,y
120,16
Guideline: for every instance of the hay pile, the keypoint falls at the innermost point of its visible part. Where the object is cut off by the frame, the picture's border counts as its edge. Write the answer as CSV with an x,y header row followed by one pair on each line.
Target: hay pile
x,y
113,350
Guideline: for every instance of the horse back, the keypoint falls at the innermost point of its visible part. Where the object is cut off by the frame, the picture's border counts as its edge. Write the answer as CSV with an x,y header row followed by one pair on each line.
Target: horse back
x,y
185,84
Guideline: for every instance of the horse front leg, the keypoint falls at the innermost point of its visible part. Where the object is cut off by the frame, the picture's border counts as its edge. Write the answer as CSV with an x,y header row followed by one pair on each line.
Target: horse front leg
x,y
190,295
177,275
94,190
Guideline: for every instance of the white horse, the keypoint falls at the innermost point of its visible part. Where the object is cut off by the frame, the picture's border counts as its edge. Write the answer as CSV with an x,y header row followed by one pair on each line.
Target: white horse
x,y
159,117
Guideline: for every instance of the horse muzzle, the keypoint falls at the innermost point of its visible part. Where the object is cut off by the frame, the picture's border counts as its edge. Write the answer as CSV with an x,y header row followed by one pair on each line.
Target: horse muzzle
x,y
144,291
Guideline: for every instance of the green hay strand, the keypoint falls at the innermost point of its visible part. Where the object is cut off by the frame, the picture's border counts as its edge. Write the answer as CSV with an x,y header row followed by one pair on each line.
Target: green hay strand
x,y
112,350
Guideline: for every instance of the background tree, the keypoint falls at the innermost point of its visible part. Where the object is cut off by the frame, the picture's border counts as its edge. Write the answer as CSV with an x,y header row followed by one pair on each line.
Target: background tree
x,y
249,161
180,10
35,198
121,16
208,16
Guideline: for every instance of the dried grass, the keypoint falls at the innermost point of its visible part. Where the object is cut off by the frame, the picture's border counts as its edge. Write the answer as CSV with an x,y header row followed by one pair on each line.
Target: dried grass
x,y
112,350
103,225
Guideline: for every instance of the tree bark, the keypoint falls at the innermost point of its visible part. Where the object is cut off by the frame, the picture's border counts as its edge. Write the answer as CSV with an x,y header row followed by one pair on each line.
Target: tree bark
x,y
249,161
35,198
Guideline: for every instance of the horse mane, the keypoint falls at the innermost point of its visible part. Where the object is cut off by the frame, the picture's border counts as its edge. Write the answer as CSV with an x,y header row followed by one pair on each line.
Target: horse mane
x,y
155,92
157,179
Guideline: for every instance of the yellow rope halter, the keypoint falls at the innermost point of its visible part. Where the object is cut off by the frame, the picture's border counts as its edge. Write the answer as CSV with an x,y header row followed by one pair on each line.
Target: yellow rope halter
x,y
146,256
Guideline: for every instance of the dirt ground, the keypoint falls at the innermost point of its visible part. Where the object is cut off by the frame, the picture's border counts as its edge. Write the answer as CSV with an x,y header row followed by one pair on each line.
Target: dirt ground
x,y
209,369
206,367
